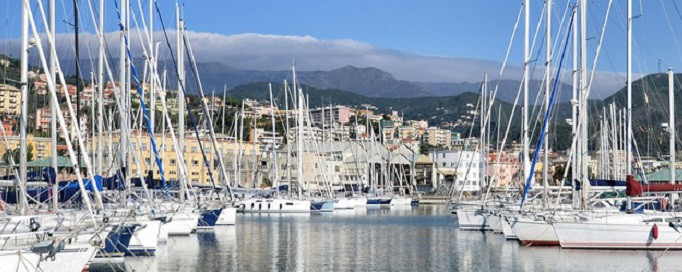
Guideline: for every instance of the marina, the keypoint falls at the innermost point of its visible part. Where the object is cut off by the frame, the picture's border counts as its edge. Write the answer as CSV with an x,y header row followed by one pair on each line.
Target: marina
x,y
363,240
127,143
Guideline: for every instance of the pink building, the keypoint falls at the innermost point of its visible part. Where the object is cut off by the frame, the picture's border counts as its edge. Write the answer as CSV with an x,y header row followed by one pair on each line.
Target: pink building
x,y
509,168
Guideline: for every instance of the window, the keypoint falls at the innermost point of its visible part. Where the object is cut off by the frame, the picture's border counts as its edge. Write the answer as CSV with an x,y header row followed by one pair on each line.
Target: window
x,y
195,162
195,173
172,162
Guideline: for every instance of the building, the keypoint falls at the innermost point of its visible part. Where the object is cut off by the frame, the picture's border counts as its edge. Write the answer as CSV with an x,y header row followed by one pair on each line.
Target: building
x,y
324,116
464,166
438,137
10,100
508,168
40,147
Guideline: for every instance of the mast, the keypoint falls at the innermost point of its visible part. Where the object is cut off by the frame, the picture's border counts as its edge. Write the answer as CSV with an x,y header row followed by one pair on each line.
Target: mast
x,y
24,108
526,62
241,140
123,145
484,91
574,100
223,109
53,110
628,141
181,95
152,82
583,101
100,91
79,86
275,179
299,138
548,79
286,112
671,126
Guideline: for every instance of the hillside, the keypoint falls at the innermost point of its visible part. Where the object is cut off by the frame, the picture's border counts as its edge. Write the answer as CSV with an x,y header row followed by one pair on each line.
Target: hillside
x,y
650,110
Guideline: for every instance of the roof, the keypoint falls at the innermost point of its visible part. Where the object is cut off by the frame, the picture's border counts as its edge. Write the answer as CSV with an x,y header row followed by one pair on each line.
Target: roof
x,y
424,159
663,175
61,162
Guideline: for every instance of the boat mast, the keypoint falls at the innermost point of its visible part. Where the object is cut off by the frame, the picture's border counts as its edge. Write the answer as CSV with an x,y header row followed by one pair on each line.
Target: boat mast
x,y
583,101
152,83
79,86
526,62
123,145
286,112
628,141
24,109
548,63
241,140
275,180
299,144
484,91
53,109
100,91
671,126
223,110
181,96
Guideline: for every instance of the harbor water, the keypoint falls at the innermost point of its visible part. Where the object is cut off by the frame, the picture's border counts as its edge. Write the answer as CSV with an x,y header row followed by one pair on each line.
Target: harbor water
x,y
424,238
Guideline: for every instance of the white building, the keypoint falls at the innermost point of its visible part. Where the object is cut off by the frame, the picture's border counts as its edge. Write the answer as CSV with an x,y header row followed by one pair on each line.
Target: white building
x,y
465,165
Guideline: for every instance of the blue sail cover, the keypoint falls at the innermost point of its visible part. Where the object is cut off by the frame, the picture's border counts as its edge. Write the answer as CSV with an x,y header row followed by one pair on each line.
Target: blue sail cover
x,y
598,183
67,191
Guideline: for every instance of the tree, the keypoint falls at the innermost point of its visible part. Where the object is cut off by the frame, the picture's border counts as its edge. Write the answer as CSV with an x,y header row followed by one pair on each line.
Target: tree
x,y
14,153
559,173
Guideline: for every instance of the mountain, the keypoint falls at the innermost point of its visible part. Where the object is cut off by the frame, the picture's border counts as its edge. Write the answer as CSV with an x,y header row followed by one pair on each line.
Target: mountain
x,y
367,81
437,110
649,110
507,89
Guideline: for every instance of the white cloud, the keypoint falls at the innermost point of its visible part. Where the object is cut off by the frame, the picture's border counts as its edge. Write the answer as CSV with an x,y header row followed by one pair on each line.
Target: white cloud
x,y
275,52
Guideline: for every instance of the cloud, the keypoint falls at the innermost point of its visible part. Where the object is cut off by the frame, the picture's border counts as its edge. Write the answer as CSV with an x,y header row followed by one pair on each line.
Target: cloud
x,y
276,52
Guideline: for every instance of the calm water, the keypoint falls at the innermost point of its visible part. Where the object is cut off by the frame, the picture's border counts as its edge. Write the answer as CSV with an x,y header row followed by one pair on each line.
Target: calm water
x,y
422,238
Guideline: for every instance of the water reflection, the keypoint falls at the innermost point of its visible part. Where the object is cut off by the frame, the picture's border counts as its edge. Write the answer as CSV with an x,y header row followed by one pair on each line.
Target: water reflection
x,y
424,238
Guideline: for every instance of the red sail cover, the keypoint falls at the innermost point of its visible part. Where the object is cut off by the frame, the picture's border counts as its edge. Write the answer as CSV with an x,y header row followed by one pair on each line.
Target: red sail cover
x,y
632,187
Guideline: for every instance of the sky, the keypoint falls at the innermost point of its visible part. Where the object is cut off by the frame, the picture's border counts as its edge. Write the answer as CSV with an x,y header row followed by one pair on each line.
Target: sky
x,y
432,40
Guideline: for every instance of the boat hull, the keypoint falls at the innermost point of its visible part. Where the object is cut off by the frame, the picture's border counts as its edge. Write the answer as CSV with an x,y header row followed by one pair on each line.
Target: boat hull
x,y
618,236
472,220
535,233
227,217
146,239
275,206
73,258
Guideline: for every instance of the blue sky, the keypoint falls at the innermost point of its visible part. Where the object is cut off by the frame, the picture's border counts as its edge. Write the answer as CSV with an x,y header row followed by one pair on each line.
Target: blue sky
x,y
477,29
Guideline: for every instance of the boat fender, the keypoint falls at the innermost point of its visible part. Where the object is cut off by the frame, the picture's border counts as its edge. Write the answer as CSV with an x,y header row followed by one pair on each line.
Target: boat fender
x,y
33,225
664,205
654,231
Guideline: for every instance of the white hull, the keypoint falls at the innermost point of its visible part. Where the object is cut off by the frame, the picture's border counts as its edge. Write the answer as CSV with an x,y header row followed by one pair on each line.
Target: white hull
x,y
359,202
535,232
619,234
344,204
507,230
494,222
471,220
146,238
275,206
73,258
181,224
401,201
227,217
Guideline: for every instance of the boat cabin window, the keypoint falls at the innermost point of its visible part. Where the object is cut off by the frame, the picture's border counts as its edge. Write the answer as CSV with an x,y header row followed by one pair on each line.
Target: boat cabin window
x,y
290,204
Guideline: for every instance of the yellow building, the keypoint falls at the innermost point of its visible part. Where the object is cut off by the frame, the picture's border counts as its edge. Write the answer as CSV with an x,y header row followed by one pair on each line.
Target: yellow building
x,y
196,169
40,147
10,100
